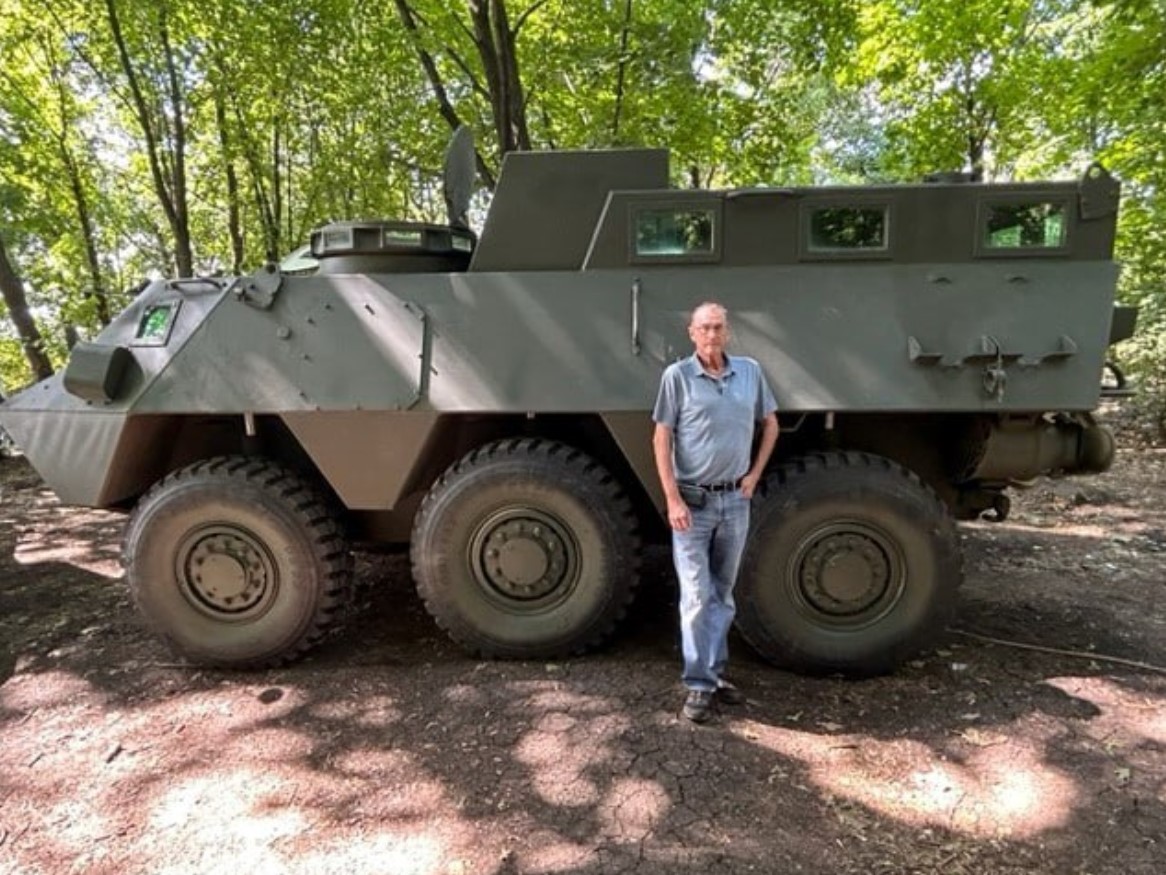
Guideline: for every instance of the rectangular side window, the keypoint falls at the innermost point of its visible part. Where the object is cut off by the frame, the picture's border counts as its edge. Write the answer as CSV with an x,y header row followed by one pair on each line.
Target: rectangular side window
x,y
1040,225
847,229
677,232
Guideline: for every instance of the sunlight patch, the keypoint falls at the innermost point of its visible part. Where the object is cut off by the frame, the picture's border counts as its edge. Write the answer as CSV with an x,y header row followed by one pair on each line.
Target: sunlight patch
x,y
633,808
1004,790
397,854
26,692
371,711
1139,715
562,750
81,539
237,814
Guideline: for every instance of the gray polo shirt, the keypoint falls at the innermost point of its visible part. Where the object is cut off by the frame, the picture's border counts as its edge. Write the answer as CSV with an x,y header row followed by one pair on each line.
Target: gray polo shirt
x,y
712,418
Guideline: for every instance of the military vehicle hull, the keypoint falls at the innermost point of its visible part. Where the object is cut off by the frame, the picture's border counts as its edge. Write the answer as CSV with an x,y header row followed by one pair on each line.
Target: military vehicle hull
x,y
416,347
497,420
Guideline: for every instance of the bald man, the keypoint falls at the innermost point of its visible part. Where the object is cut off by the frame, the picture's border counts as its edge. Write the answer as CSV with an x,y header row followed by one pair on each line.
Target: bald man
x,y
706,413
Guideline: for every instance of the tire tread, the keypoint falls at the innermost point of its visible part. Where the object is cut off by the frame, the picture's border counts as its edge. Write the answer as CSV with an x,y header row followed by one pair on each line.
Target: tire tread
x,y
313,514
939,521
574,464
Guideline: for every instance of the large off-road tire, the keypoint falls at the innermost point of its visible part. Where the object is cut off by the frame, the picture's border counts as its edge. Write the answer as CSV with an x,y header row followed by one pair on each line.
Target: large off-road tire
x,y
853,564
526,548
237,562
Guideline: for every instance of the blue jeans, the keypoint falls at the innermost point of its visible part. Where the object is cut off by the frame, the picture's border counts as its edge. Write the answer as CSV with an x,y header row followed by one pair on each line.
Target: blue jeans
x,y
707,557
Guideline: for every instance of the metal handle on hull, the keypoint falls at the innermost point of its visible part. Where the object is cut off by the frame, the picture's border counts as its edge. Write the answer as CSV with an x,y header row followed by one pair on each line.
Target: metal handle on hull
x,y
636,288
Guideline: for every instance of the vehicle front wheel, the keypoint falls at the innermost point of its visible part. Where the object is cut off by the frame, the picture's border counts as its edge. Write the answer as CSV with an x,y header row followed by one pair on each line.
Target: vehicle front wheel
x,y
236,562
526,548
853,564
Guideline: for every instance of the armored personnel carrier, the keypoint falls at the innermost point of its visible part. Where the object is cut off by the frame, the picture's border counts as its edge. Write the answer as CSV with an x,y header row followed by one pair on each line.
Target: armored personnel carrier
x,y
485,401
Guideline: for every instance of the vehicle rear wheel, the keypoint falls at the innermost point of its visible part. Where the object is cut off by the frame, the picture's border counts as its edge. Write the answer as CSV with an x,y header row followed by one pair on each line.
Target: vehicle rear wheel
x,y
853,564
237,562
526,548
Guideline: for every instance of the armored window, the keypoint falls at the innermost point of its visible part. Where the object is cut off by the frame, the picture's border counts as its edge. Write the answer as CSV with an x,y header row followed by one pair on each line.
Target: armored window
x,y
334,239
674,232
155,323
847,229
1024,226
400,237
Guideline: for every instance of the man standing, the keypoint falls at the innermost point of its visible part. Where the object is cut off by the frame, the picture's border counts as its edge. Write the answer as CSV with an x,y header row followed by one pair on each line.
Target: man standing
x,y
706,411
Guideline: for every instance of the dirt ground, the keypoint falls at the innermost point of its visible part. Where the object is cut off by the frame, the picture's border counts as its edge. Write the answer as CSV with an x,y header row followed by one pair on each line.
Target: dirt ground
x,y
388,751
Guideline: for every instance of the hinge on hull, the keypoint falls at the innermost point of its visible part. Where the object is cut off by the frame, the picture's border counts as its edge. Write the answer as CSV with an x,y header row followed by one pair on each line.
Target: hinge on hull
x,y
425,355
637,288
260,288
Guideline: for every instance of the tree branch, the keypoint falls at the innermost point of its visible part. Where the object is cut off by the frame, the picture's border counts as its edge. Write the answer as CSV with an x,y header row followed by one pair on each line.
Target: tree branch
x,y
444,104
527,13
475,82
141,108
74,46
1057,651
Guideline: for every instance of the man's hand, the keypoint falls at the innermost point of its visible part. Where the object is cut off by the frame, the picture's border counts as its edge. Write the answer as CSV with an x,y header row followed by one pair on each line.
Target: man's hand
x,y
769,432
679,516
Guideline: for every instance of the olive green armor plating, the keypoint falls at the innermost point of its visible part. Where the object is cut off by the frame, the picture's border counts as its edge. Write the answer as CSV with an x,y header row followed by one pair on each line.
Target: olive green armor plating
x,y
486,401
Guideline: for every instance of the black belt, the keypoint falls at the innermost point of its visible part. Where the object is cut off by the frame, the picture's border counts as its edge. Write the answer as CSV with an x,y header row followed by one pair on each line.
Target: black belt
x,y
723,486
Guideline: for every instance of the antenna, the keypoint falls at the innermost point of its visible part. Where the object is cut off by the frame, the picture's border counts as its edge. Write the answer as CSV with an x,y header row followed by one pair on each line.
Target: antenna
x,y
459,173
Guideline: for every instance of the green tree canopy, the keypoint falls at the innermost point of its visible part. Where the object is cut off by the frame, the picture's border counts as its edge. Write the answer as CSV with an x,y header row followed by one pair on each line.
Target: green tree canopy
x,y
142,139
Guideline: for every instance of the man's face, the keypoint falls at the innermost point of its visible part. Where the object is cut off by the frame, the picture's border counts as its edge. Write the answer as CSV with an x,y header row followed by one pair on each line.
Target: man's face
x,y
709,331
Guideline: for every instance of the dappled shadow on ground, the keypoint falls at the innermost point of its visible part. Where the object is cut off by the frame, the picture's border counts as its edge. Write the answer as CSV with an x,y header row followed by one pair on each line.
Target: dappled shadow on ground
x,y
389,751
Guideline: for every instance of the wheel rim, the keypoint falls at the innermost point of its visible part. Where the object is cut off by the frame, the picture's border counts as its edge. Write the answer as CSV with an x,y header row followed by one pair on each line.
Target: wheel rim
x,y
226,572
524,559
846,575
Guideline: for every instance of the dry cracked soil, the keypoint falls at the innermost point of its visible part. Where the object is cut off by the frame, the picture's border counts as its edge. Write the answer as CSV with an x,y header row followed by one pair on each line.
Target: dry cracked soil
x,y
1031,740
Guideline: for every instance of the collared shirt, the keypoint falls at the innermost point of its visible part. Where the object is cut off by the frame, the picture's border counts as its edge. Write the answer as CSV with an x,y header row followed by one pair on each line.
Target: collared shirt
x,y
712,418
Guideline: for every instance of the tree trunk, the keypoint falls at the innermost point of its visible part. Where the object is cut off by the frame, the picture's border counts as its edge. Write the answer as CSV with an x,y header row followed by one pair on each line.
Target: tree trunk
x,y
444,104
30,336
496,48
978,120
273,242
168,170
621,75
184,249
97,290
234,222
259,175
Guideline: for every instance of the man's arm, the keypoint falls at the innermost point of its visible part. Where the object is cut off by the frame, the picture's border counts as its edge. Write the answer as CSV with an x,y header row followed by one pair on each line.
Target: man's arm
x,y
769,432
678,515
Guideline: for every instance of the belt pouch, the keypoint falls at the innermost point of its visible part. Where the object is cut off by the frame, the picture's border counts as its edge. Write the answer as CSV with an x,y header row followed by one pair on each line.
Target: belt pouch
x,y
693,496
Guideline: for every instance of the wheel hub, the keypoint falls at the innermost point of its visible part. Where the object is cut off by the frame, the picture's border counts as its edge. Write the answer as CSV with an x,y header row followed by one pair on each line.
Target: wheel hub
x,y
225,570
845,573
523,554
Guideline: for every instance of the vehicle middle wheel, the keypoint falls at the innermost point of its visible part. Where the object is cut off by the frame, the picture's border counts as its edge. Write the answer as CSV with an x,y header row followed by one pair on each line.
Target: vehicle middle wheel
x,y
526,548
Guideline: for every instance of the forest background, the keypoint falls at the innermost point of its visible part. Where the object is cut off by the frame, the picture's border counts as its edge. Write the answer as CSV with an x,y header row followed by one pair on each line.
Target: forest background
x,y
144,138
